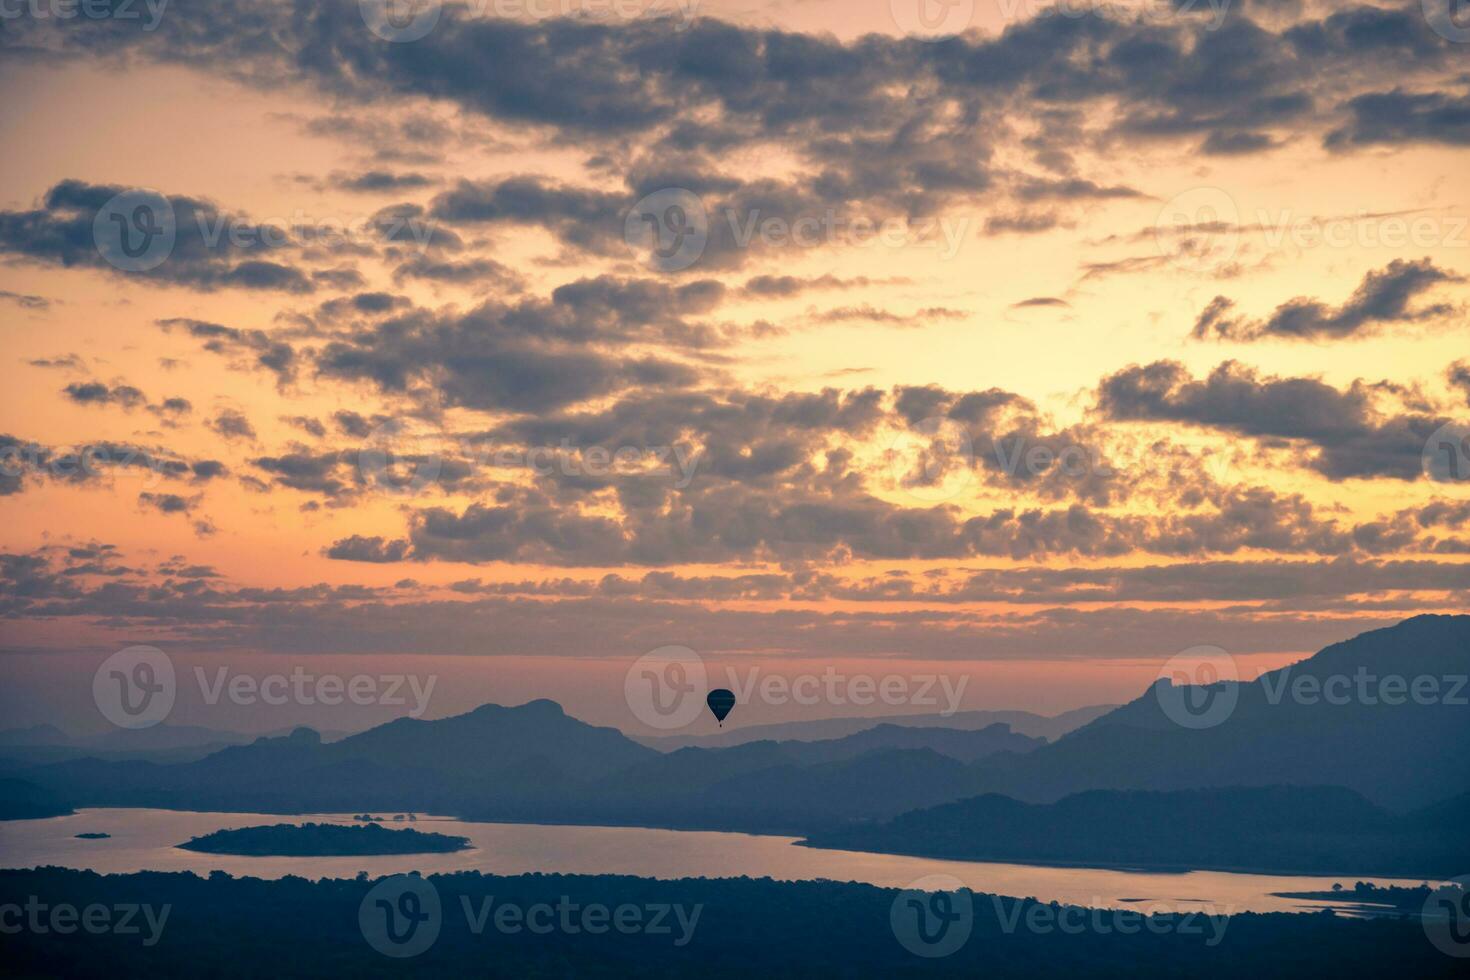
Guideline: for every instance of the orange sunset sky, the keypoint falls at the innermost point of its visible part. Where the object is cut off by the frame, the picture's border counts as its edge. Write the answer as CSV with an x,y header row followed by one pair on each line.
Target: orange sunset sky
x,y
1109,331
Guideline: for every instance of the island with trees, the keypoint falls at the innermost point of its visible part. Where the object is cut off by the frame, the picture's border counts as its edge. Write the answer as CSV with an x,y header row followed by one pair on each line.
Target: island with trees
x,y
324,840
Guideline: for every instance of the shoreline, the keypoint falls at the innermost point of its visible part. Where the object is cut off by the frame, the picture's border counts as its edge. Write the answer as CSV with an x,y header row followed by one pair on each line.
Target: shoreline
x,y
797,839
1135,868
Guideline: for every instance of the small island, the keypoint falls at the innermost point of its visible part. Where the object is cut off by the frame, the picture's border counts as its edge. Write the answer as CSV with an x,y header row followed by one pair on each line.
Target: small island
x,y
94,836
324,840
1367,898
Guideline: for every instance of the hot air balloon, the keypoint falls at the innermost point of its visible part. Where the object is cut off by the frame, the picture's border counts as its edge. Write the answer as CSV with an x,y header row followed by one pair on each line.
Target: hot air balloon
x,y
720,702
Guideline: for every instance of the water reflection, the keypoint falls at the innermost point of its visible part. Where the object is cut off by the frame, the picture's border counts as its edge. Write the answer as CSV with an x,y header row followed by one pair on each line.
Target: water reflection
x,y
146,840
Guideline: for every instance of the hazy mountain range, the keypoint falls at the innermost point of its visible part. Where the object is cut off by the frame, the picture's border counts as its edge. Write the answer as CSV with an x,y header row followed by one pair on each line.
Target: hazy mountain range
x,y
159,743
1401,756
1288,829
535,763
1021,722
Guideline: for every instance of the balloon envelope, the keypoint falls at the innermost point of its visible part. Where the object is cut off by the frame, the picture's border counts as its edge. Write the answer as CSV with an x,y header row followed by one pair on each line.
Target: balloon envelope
x,y
720,701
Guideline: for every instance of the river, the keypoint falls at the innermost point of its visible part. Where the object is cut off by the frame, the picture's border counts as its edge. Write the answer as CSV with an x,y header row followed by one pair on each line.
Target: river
x,y
146,840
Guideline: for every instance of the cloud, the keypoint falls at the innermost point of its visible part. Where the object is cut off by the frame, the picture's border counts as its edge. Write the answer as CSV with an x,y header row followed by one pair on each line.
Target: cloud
x,y
1459,377
1383,298
378,181
1071,189
1400,118
1191,582
1352,438
211,249
98,393
534,355
374,550
1032,223
485,274
25,462
1230,143
307,424
25,300
169,411
165,503
50,586
867,313
880,123
587,218
230,424
256,348
69,362
311,472
785,287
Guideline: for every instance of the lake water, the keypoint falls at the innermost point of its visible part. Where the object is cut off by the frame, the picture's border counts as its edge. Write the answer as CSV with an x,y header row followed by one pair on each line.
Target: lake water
x,y
145,840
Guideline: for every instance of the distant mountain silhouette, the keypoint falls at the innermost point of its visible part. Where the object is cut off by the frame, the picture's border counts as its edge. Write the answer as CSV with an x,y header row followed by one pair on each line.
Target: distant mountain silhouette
x,y
1400,756
784,786
20,800
20,747
1448,816
535,763
34,735
1022,722
494,738
531,753
1285,829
